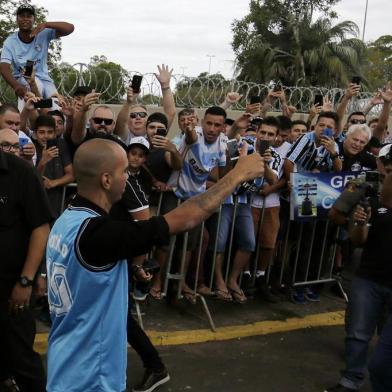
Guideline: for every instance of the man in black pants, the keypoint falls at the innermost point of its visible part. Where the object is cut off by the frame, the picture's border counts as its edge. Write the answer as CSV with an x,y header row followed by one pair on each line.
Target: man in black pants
x,y
24,230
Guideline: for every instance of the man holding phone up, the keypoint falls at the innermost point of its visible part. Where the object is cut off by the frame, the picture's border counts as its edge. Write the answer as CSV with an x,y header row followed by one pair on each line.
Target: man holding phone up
x,y
29,47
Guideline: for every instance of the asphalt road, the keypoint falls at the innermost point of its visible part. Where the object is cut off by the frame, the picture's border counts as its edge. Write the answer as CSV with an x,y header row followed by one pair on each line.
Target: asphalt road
x,y
306,360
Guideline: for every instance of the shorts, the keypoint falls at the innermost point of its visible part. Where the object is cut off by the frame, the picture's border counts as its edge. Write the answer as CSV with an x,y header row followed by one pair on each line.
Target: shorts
x,y
269,228
243,235
46,89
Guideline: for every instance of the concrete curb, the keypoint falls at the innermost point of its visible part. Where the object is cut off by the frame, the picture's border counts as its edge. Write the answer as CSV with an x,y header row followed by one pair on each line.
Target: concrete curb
x,y
169,338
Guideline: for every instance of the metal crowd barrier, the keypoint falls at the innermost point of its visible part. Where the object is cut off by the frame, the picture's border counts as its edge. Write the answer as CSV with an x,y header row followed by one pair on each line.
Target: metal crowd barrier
x,y
298,266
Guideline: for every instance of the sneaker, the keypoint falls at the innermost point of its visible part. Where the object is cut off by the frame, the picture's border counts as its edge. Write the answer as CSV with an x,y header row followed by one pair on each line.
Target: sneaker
x,y
152,380
339,388
297,296
311,295
266,293
10,385
247,285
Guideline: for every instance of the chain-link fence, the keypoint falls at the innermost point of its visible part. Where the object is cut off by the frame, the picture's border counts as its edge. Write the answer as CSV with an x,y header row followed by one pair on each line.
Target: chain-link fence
x,y
198,92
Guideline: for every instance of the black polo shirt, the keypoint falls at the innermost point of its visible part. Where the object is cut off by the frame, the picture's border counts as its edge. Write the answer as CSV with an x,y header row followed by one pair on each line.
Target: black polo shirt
x,y
362,161
376,262
23,207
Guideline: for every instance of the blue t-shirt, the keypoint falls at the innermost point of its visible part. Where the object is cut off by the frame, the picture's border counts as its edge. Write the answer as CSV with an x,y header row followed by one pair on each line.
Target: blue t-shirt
x,y
87,348
16,53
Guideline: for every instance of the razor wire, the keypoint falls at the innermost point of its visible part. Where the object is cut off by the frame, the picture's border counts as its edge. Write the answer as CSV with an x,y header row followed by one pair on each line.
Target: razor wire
x,y
197,92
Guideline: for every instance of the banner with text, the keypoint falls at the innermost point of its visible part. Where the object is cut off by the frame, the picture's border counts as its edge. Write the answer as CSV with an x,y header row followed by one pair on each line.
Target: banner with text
x,y
313,194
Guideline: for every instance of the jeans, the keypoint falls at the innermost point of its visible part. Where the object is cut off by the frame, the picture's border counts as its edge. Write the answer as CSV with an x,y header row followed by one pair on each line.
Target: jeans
x,y
17,356
380,367
244,236
366,304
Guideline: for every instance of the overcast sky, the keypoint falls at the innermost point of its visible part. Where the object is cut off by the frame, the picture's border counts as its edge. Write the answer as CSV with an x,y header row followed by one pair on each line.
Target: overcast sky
x,y
181,33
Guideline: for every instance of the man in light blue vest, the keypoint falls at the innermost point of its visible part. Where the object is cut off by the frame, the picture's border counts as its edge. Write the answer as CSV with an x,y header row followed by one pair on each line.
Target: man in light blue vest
x,y
87,272
30,43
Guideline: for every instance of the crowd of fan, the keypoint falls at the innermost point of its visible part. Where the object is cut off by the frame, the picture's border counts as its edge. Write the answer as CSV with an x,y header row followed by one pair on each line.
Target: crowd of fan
x,y
181,167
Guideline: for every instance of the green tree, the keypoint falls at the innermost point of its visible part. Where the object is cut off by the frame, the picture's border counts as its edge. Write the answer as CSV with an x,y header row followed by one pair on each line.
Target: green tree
x,y
102,75
280,40
378,68
202,90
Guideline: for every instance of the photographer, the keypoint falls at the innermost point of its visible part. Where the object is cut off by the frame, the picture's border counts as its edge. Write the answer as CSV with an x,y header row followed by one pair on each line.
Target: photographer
x,y
371,289
356,189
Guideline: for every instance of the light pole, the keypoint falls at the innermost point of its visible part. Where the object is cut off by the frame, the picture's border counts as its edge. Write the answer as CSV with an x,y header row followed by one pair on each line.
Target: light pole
x,y
209,65
364,21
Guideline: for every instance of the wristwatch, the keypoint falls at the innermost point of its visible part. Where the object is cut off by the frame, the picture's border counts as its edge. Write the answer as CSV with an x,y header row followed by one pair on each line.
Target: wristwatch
x,y
334,156
25,282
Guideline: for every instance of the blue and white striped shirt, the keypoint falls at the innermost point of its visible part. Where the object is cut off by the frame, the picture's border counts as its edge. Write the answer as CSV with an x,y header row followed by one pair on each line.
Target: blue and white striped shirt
x,y
307,156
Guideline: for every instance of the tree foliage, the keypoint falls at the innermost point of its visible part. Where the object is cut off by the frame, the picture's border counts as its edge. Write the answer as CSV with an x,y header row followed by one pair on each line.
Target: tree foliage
x,y
280,39
378,68
103,75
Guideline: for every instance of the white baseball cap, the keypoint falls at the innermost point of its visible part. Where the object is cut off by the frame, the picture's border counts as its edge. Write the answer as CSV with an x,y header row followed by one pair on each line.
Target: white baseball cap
x,y
386,152
139,141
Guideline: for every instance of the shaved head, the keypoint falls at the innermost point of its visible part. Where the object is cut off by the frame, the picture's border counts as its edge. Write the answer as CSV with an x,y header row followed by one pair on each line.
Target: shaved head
x,y
95,157
8,135
9,141
101,171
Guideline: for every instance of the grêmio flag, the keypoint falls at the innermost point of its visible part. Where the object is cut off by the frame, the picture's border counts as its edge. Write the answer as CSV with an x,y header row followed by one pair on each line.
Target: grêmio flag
x,y
313,194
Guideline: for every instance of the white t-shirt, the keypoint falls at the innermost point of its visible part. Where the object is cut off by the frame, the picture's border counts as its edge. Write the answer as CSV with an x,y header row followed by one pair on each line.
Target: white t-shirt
x,y
199,160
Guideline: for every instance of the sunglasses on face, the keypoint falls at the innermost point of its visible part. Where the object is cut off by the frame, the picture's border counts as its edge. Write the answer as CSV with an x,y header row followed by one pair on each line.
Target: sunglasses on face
x,y
106,121
357,121
138,114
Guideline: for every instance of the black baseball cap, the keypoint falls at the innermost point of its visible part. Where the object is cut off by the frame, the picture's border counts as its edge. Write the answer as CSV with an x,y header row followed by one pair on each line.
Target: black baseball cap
x,y
25,8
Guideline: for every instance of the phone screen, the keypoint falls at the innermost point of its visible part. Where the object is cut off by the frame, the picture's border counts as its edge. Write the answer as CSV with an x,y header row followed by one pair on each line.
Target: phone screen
x,y
29,68
161,132
327,132
136,83
318,100
356,80
22,142
51,143
263,146
44,103
232,148
255,99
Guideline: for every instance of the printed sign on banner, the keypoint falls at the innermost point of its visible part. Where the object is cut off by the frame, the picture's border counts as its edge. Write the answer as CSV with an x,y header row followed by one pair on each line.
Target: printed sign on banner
x,y
313,194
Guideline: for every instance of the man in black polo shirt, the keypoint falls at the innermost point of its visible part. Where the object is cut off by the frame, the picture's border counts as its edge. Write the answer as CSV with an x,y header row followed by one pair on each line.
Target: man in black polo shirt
x,y
371,292
352,151
24,230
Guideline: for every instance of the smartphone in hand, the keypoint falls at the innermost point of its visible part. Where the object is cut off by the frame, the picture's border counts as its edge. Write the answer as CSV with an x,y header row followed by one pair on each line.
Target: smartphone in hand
x,y
328,132
136,83
29,68
264,145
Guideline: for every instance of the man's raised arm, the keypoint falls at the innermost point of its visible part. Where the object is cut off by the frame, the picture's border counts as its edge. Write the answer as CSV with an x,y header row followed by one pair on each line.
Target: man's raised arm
x,y
191,213
379,131
62,28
